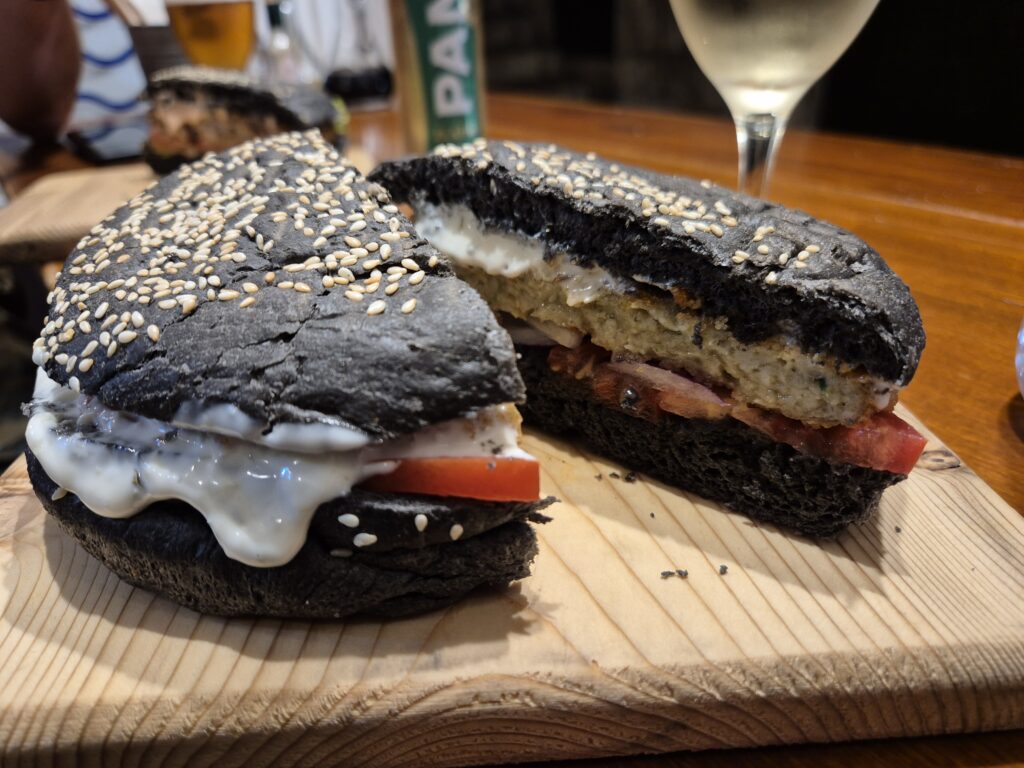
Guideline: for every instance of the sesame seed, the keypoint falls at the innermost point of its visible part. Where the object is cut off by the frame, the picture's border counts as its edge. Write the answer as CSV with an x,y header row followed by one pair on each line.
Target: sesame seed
x,y
390,236
214,281
269,277
167,304
137,319
783,258
764,250
286,284
385,252
86,364
327,281
455,532
420,521
329,230
410,265
353,295
90,348
302,288
364,539
248,301
813,248
371,264
341,553
417,277
308,231
111,348
357,226
228,295
352,242
101,310
188,303
432,262
320,241
391,289
376,308
126,337
800,264
349,520
716,230
153,332
772,278
409,306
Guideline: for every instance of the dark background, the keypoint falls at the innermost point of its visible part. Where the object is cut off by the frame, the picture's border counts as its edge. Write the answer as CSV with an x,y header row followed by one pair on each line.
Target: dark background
x,y
929,72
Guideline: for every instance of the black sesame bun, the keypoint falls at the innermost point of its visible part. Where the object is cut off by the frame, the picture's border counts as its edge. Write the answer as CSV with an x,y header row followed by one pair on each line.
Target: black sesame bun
x,y
727,345
233,107
168,548
720,459
275,279
833,293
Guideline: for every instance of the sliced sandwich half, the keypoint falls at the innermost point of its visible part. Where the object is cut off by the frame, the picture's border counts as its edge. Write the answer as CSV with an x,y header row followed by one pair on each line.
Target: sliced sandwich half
x,y
724,344
261,393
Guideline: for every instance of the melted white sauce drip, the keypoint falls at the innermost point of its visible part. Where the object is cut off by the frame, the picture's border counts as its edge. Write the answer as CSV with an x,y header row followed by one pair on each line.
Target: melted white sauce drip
x,y
257,499
456,231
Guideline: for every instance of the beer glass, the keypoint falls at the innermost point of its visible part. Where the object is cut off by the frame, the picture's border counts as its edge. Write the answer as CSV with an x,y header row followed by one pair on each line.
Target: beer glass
x,y
763,56
215,34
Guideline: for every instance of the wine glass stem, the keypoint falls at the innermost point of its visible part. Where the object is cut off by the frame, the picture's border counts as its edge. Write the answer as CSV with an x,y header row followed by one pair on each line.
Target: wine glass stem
x,y
758,137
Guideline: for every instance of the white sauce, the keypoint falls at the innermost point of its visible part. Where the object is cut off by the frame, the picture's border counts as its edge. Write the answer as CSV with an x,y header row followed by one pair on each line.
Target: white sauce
x,y
456,231
230,420
257,499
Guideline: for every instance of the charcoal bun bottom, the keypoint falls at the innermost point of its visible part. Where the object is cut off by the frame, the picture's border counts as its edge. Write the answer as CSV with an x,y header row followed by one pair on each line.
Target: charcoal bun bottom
x,y
722,460
169,549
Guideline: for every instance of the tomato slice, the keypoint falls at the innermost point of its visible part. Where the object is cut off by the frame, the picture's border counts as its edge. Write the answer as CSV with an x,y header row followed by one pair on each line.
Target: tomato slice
x,y
487,478
883,441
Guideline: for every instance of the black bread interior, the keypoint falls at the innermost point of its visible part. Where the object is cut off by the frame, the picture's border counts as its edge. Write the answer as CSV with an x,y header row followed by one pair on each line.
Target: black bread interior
x,y
722,460
168,548
844,300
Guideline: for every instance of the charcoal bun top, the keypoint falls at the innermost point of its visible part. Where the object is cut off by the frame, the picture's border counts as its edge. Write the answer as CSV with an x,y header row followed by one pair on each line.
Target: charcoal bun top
x,y
276,278
295,106
770,270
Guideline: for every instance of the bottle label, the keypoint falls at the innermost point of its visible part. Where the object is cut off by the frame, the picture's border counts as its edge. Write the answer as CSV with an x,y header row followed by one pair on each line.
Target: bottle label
x,y
446,48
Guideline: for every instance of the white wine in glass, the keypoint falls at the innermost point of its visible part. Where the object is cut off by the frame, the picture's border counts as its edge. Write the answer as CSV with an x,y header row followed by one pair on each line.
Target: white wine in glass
x,y
763,56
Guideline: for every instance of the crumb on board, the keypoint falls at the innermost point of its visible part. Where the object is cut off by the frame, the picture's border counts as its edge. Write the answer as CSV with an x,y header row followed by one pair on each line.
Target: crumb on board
x,y
682,573
599,476
723,569
614,475
898,529
667,574
631,477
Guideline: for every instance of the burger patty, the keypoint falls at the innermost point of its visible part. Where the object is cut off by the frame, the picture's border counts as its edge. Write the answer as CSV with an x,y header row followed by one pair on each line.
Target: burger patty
x,y
811,388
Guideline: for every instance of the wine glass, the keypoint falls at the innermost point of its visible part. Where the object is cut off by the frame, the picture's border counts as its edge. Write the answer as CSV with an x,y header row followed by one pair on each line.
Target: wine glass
x,y
763,56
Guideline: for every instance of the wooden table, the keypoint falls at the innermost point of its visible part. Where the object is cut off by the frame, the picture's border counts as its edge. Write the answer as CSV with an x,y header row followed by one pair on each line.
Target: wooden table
x,y
950,223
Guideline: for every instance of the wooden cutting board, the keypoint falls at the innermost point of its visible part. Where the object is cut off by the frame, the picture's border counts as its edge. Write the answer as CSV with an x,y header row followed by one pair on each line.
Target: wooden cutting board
x,y
45,221
910,624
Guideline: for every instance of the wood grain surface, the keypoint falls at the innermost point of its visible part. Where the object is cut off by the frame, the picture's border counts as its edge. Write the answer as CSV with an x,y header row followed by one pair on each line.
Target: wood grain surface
x,y
910,624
